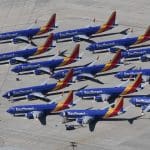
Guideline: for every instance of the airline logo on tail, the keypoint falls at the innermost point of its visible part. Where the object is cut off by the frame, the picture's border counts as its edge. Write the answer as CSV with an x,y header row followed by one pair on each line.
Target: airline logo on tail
x,y
109,24
63,83
73,56
50,25
117,108
131,88
145,37
43,48
65,103
113,62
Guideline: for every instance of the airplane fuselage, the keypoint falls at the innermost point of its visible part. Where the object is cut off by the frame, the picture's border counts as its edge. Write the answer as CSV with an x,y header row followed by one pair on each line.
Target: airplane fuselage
x,y
79,70
51,64
140,101
20,53
126,42
113,91
26,91
135,53
72,33
25,33
23,109
132,73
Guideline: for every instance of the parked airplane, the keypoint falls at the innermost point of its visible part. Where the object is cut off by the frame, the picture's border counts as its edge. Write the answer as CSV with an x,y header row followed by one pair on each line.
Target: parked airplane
x,y
39,91
26,35
142,54
23,55
89,71
48,66
85,33
41,111
110,93
91,117
123,43
143,102
132,73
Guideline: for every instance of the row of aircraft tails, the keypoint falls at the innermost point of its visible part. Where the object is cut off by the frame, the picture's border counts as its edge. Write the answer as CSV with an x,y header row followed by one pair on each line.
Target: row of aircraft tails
x,y
66,77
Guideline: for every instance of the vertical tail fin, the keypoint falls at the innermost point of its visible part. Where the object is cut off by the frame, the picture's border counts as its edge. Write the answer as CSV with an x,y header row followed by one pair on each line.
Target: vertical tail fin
x,y
116,58
112,19
109,24
116,109
132,87
147,32
113,62
65,103
75,52
49,26
45,47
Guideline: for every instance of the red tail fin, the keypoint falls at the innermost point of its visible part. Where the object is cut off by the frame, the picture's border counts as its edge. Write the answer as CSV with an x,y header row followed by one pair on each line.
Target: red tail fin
x,y
68,77
51,23
65,103
132,87
75,52
117,108
147,32
49,41
112,19
116,58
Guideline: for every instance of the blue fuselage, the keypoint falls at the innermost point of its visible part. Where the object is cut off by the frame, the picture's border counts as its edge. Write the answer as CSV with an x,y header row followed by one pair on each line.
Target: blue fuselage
x,y
140,101
26,91
133,73
108,44
135,53
23,109
20,53
79,70
97,114
25,33
114,91
51,64
72,33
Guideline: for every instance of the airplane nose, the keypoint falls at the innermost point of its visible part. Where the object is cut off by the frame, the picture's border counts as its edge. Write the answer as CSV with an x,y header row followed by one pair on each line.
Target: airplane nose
x,y
11,110
6,95
14,69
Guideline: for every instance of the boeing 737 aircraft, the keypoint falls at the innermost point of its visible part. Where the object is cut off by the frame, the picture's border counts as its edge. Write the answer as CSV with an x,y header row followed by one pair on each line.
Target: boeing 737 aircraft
x,y
143,102
90,71
41,111
27,34
110,93
49,65
123,43
23,55
91,117
132,73
39,91
85,33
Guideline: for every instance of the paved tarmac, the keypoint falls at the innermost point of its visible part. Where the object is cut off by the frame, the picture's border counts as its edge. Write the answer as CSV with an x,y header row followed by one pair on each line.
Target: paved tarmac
x,y
24,134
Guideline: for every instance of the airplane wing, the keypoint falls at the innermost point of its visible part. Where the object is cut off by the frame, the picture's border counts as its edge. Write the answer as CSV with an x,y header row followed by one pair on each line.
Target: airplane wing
x,y
85,75
18,59
39,95
105,97
81,37
120,47
44,70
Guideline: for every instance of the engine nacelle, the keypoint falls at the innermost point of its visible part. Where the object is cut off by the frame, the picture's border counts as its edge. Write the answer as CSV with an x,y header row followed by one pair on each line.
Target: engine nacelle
x,y
144,58
29,115
30,97
38,72
98,99
76,39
